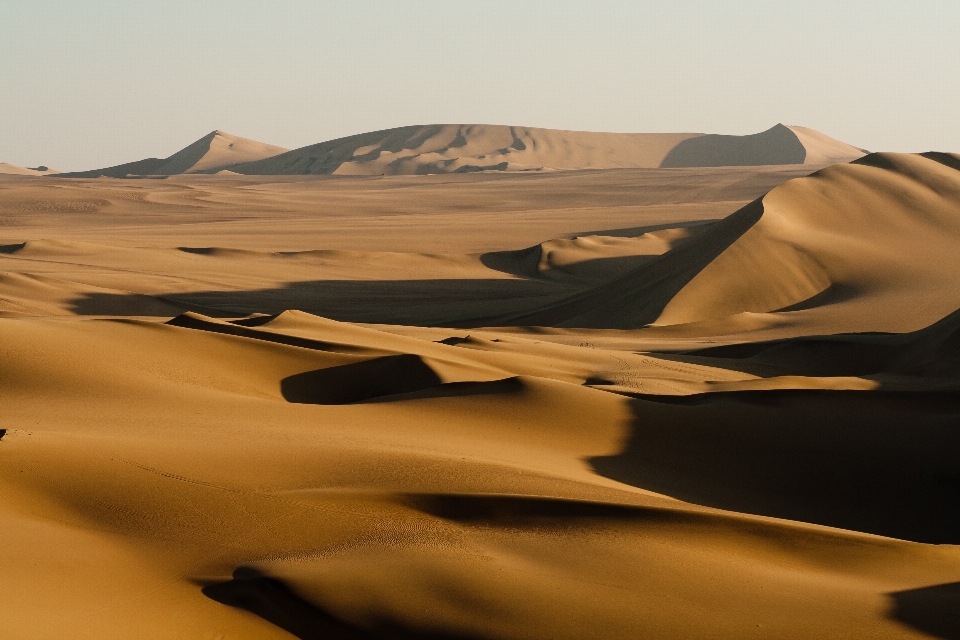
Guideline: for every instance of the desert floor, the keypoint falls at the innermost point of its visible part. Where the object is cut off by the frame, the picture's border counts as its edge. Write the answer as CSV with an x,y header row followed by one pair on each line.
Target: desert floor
x,y
636,403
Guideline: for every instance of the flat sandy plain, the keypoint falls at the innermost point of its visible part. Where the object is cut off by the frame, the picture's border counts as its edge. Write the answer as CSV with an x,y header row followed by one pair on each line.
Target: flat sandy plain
x,y
633,403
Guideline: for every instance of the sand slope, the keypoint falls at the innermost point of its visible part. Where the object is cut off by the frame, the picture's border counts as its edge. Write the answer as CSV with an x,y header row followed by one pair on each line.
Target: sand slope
x,y
211,153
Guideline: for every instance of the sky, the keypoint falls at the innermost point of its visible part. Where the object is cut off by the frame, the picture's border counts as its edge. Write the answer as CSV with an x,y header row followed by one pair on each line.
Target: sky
x,y
87,84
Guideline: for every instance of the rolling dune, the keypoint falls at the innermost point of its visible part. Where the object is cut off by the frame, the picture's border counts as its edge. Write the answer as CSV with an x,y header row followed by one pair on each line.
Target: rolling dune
x,y
716,402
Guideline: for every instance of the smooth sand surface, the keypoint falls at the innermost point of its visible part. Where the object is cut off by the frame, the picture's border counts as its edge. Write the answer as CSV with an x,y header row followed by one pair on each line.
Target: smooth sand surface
x,y
626,403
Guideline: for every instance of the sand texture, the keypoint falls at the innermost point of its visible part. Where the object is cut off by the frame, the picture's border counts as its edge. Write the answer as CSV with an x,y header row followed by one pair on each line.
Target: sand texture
x,y
662,403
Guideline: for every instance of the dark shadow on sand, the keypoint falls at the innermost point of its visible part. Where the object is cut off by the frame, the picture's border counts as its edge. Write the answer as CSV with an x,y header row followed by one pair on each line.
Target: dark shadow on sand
x,y
933,610
453,302
270,599
877,462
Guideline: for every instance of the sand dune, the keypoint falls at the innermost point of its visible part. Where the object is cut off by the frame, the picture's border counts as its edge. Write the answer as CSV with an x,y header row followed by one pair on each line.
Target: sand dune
x,y
833,252
12,169
632,403
210,154
466,148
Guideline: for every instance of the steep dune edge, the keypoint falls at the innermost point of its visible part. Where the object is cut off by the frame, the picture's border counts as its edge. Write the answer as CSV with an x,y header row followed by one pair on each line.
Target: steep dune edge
x,y
453,148
866,246
210,154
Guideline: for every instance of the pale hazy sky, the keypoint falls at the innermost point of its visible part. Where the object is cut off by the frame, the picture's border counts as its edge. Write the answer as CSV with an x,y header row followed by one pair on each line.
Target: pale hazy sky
x,y
85,84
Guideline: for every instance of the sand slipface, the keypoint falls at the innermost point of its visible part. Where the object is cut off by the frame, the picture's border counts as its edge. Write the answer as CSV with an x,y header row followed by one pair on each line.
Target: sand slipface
x,y
679,402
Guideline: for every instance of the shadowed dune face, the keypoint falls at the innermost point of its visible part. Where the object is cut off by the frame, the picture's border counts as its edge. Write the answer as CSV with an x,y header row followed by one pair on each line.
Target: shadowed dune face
x,y
933,610
778,145
884,464
273,601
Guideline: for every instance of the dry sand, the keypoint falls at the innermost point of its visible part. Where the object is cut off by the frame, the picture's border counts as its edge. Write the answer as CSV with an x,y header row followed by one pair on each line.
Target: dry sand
x,y
634,403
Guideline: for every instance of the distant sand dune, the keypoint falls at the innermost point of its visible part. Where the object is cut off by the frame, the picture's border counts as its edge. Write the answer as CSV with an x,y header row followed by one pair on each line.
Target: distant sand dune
x,y
210,154
464,148
467,148
12,169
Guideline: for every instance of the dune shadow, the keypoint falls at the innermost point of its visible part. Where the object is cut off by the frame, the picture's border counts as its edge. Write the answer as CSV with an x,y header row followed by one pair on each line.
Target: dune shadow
x,y
775,146
440,302
933,610
877,462
524,263
635,232
384,379
833,294
12,248
272,600
358,381
532,512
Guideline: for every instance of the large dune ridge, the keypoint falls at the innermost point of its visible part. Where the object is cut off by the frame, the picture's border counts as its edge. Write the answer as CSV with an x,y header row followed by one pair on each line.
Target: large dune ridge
x,y
465,148
211,153
666,402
